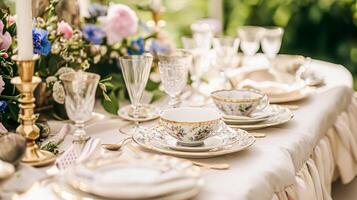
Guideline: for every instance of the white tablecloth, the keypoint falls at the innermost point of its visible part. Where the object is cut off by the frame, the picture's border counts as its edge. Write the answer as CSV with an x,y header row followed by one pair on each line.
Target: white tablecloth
x,y
296,160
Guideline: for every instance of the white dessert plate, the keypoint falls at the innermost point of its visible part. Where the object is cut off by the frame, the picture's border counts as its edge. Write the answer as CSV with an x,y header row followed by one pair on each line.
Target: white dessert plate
x,y
134,179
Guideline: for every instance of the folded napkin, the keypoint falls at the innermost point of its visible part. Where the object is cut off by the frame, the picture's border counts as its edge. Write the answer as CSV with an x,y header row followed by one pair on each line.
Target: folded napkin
x,y
77,153
58,136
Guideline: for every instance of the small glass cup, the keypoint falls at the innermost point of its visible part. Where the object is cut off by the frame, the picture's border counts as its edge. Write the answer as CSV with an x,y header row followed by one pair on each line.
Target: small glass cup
x,y
250,39
173,68
202,35
198,67
80,88
271,41
226,48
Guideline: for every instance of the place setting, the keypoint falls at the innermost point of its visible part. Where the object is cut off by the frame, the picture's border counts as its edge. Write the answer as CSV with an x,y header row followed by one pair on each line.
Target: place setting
x,y
249,109
151,177
192,132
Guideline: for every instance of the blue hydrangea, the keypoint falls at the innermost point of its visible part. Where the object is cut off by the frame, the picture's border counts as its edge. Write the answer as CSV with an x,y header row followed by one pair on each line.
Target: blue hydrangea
x,y
93,34
157,47
3,106
41,44
136,47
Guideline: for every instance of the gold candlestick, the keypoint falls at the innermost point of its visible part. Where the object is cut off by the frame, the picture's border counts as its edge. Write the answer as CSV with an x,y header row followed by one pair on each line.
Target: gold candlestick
x,y
26,84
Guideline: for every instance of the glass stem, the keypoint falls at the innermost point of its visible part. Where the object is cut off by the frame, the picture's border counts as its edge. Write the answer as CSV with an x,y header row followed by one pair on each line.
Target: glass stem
x,y
80,133
174,101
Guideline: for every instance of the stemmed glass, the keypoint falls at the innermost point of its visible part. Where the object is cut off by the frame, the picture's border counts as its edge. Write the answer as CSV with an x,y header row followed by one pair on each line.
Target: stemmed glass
x,y
136,71
173,68
250,39
199,66
226,48
202,35
271,41
80,88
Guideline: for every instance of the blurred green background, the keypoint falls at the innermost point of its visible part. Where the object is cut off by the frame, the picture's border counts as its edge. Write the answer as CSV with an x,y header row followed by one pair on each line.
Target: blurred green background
x,y
321,29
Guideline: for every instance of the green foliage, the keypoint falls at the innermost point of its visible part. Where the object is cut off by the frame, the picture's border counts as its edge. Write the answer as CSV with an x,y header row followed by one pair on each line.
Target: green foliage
x,y
322,29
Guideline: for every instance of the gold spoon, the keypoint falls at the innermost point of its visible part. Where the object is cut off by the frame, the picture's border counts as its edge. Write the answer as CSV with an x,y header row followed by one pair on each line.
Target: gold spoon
x,y
117,146
219,166
258,135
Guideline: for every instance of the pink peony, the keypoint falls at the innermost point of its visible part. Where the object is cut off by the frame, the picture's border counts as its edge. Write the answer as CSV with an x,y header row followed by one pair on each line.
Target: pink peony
x,y
120,22
5,38
65,29
2,128
2,84
10,20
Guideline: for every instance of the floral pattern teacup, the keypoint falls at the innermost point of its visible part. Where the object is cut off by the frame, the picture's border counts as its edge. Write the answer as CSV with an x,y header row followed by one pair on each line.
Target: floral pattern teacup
x,y
190,126
239,102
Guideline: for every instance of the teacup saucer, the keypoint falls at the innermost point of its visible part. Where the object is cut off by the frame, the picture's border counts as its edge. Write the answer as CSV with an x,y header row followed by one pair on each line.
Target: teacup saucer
x,y
148,113
253,118
224,137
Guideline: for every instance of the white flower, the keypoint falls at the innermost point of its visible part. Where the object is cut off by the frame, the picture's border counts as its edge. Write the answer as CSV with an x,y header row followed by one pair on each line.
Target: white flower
x,y
63,70
58,93
114,54
103,50
96,59
56,48
85,65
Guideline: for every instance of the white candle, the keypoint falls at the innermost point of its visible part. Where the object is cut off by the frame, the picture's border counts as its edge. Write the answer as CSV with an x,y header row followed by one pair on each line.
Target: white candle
x,y
84,8
24,29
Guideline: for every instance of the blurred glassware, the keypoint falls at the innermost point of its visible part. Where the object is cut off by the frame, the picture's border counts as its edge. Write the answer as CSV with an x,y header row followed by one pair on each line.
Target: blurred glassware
x,y
136,71
226,48
199,66
173,68
80,88
250,39
202,35
271,41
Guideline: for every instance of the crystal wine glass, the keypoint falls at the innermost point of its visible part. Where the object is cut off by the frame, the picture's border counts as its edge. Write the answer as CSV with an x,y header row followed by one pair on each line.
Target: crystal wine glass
x,y
250,39
136,71
199,66
80,88
271,41
202,35
226,48
173,68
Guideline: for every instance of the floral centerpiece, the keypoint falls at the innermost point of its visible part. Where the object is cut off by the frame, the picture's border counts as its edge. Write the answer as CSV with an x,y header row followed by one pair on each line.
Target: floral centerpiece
x,y
95,45
8,94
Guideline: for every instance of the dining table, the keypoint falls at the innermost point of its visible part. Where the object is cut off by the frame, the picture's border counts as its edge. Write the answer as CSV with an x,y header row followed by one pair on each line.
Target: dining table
x,y
297,160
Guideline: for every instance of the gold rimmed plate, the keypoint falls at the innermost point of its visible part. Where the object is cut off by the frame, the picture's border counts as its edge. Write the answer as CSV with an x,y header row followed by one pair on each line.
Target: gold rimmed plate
x,y
282,116
291,97
244,140
147,178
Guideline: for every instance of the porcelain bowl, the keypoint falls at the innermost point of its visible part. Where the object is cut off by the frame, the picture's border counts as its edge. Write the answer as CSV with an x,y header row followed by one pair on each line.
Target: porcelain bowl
x,y
239,102
189,125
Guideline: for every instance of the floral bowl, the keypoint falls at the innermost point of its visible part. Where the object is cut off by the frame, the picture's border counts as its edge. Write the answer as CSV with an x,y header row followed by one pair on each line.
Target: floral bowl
x,y
239,102
190,126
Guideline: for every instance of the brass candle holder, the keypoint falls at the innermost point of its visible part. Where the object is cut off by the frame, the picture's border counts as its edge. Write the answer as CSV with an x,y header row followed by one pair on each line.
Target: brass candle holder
x,y
26,83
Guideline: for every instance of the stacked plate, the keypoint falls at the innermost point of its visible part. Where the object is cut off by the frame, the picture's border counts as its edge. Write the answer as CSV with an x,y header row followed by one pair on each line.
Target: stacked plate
x,y
156,177
225,141
273,115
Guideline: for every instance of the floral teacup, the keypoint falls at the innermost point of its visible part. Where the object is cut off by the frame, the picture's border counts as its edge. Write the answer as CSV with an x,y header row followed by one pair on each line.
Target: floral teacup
x,y
239,102
190,126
